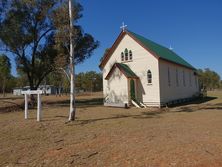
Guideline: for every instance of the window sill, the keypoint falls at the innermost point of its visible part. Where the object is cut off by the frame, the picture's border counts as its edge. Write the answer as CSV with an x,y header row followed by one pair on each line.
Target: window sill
x,y
149,84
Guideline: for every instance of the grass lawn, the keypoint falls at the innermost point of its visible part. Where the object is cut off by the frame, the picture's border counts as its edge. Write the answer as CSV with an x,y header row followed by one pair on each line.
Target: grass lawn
x,y
188,135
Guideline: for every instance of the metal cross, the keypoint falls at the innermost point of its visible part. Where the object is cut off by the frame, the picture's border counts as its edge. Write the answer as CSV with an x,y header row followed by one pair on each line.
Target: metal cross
x,y
123,27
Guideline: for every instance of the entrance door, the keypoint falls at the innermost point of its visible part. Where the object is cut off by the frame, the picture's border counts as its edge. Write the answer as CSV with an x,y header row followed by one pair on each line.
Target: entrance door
x,y
132,89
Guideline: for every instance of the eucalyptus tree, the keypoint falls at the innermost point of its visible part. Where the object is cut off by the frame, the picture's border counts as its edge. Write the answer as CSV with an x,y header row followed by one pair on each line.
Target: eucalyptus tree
x,y
37,32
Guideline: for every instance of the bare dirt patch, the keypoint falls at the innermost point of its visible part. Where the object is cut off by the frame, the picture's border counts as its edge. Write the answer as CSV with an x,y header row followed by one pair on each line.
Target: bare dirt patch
x,y
189,135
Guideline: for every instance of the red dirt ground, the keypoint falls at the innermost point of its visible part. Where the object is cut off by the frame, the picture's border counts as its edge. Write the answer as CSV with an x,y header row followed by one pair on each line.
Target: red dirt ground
x,y
189,135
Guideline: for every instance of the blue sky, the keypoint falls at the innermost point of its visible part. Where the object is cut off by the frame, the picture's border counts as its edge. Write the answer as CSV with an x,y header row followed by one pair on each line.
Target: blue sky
x,y
192,28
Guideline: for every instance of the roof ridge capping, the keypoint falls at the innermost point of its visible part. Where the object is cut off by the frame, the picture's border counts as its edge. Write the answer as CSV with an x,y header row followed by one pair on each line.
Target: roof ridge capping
x,y
161,51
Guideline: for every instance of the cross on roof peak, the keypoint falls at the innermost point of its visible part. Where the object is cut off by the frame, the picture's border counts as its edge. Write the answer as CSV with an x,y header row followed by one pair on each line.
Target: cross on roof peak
x,y
123,27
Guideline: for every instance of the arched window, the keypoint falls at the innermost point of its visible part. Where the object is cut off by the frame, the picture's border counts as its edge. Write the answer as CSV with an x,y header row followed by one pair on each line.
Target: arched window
x,y
126,54
149,77
130,55
122,56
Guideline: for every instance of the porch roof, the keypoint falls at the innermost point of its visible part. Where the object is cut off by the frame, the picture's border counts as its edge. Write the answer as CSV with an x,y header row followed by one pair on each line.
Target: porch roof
x,y
124,69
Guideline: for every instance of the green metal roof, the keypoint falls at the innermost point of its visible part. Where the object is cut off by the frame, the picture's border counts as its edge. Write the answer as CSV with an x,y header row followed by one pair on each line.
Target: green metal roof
x,y
124,69
161,51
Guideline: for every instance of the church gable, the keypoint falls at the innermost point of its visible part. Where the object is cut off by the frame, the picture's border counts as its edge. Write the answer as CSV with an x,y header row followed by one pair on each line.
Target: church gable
x,y
126,51
158,51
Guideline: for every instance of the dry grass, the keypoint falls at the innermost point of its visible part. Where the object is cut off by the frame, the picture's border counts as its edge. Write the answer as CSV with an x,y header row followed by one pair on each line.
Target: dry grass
x,y
189,135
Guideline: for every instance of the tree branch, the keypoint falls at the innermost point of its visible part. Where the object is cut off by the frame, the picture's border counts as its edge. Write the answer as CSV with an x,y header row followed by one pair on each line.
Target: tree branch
x,y
67,75
36,43
41,79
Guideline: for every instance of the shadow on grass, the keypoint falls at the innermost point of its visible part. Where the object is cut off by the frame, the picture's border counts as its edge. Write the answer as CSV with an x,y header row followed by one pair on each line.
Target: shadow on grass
x,y
143,115
82,103
11,98
194,101
12,107
184,107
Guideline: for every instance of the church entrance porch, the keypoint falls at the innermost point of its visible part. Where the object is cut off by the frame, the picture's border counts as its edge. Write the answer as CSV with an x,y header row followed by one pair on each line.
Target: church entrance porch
x,y
121,86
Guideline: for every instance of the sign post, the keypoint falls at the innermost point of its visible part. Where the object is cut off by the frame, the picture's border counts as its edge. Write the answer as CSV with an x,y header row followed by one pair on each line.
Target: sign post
x,y
39,107
26,106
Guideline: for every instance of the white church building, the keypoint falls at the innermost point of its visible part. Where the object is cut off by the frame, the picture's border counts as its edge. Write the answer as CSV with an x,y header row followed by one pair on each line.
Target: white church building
x,y
136,68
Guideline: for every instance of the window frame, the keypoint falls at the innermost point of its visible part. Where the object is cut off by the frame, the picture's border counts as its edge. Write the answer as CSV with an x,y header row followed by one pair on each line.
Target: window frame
x,y
168,74
130,55
149,77
177,78
126,53
122,56
184,78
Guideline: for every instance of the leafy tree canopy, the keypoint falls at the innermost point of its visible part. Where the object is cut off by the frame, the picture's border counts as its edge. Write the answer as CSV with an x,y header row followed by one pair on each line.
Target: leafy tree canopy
x,y
209,79
36,32
5,73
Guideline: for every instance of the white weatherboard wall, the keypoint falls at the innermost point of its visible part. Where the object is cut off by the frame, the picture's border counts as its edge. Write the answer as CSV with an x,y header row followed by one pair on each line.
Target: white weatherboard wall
x,y
118,89
141,63
176,91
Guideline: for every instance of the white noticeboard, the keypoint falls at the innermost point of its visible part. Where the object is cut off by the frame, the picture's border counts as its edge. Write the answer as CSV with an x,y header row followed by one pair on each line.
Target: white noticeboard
x,y
39,107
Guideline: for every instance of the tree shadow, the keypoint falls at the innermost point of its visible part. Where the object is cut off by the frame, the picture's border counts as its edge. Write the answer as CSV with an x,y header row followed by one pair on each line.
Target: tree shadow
x,y
80,103
13,107
142,115
11,98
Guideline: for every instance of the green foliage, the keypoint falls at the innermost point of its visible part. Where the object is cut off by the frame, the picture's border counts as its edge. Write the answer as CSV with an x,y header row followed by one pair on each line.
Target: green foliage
x,y
89,81
6,80
5,66
209,79
58,79
36,32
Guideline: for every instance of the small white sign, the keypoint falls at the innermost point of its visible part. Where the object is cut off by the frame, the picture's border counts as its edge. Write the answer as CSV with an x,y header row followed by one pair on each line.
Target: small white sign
x,y
39,107
30,92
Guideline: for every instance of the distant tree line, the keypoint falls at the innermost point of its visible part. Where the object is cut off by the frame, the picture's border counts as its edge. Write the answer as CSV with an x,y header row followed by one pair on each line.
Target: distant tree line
x,y
89,81
209,79
85,81
7,81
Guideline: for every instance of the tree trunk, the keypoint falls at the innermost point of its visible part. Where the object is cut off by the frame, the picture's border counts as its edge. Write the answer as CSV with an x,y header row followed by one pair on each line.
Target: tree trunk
x,y
32,97
3,88
72,70
3,91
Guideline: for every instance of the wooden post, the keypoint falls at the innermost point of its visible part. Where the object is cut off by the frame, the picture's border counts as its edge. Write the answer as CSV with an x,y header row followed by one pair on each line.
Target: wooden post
x,y
26,106
39,111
